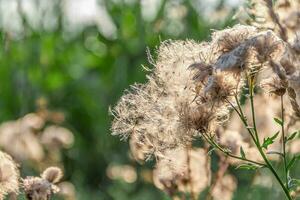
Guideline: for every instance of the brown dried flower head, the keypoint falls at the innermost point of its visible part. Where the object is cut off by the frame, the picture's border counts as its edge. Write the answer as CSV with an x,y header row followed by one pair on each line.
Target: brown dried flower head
x,y
274,85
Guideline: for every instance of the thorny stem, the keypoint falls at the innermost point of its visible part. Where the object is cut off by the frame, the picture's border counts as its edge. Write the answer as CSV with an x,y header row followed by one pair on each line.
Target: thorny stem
x,y
283,142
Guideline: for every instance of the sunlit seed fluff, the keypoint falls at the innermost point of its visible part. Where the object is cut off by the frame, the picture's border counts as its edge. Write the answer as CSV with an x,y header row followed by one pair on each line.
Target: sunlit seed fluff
x,y
151,112
221,86
9,175
274,85
181,169
199,118
37,188
230,38
257,49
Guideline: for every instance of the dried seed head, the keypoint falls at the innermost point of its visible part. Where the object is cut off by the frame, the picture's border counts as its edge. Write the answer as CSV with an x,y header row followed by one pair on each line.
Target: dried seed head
x,y
139,147
42,188
52,174
37,188
33,121
199,118
221,86
20,141
274,85
182,170
57,137
228,39
9,175
149,114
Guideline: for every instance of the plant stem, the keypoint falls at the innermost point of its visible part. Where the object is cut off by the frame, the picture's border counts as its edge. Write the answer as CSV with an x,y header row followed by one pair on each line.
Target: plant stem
x,y
257,143
286,191
242,117
251,90
214,144
268,164
283,142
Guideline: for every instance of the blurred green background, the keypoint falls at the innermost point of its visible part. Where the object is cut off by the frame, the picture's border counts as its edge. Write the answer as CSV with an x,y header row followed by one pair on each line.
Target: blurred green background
x,y
81,57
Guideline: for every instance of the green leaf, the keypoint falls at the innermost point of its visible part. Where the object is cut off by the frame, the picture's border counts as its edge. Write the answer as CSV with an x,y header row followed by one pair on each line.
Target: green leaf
x,y
292,162
278,121
269,140
242,152
292,136
247,166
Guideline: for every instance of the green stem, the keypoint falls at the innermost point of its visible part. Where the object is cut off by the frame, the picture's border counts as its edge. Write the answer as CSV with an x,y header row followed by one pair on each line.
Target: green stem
x,y
242,117
251,90
269,165
216,145
257,143
283,142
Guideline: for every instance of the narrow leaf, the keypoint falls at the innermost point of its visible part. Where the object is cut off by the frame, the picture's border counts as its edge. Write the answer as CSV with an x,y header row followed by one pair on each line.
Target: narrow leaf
x,y
278,121
275,135
292,136
242,152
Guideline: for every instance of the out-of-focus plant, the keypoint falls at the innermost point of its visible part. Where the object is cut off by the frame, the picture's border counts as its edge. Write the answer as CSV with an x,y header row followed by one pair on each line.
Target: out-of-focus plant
x,y
35,140
193,91
35,188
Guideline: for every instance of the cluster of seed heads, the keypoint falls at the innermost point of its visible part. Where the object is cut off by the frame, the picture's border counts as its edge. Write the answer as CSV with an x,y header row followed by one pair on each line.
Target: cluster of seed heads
x,y
192,87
